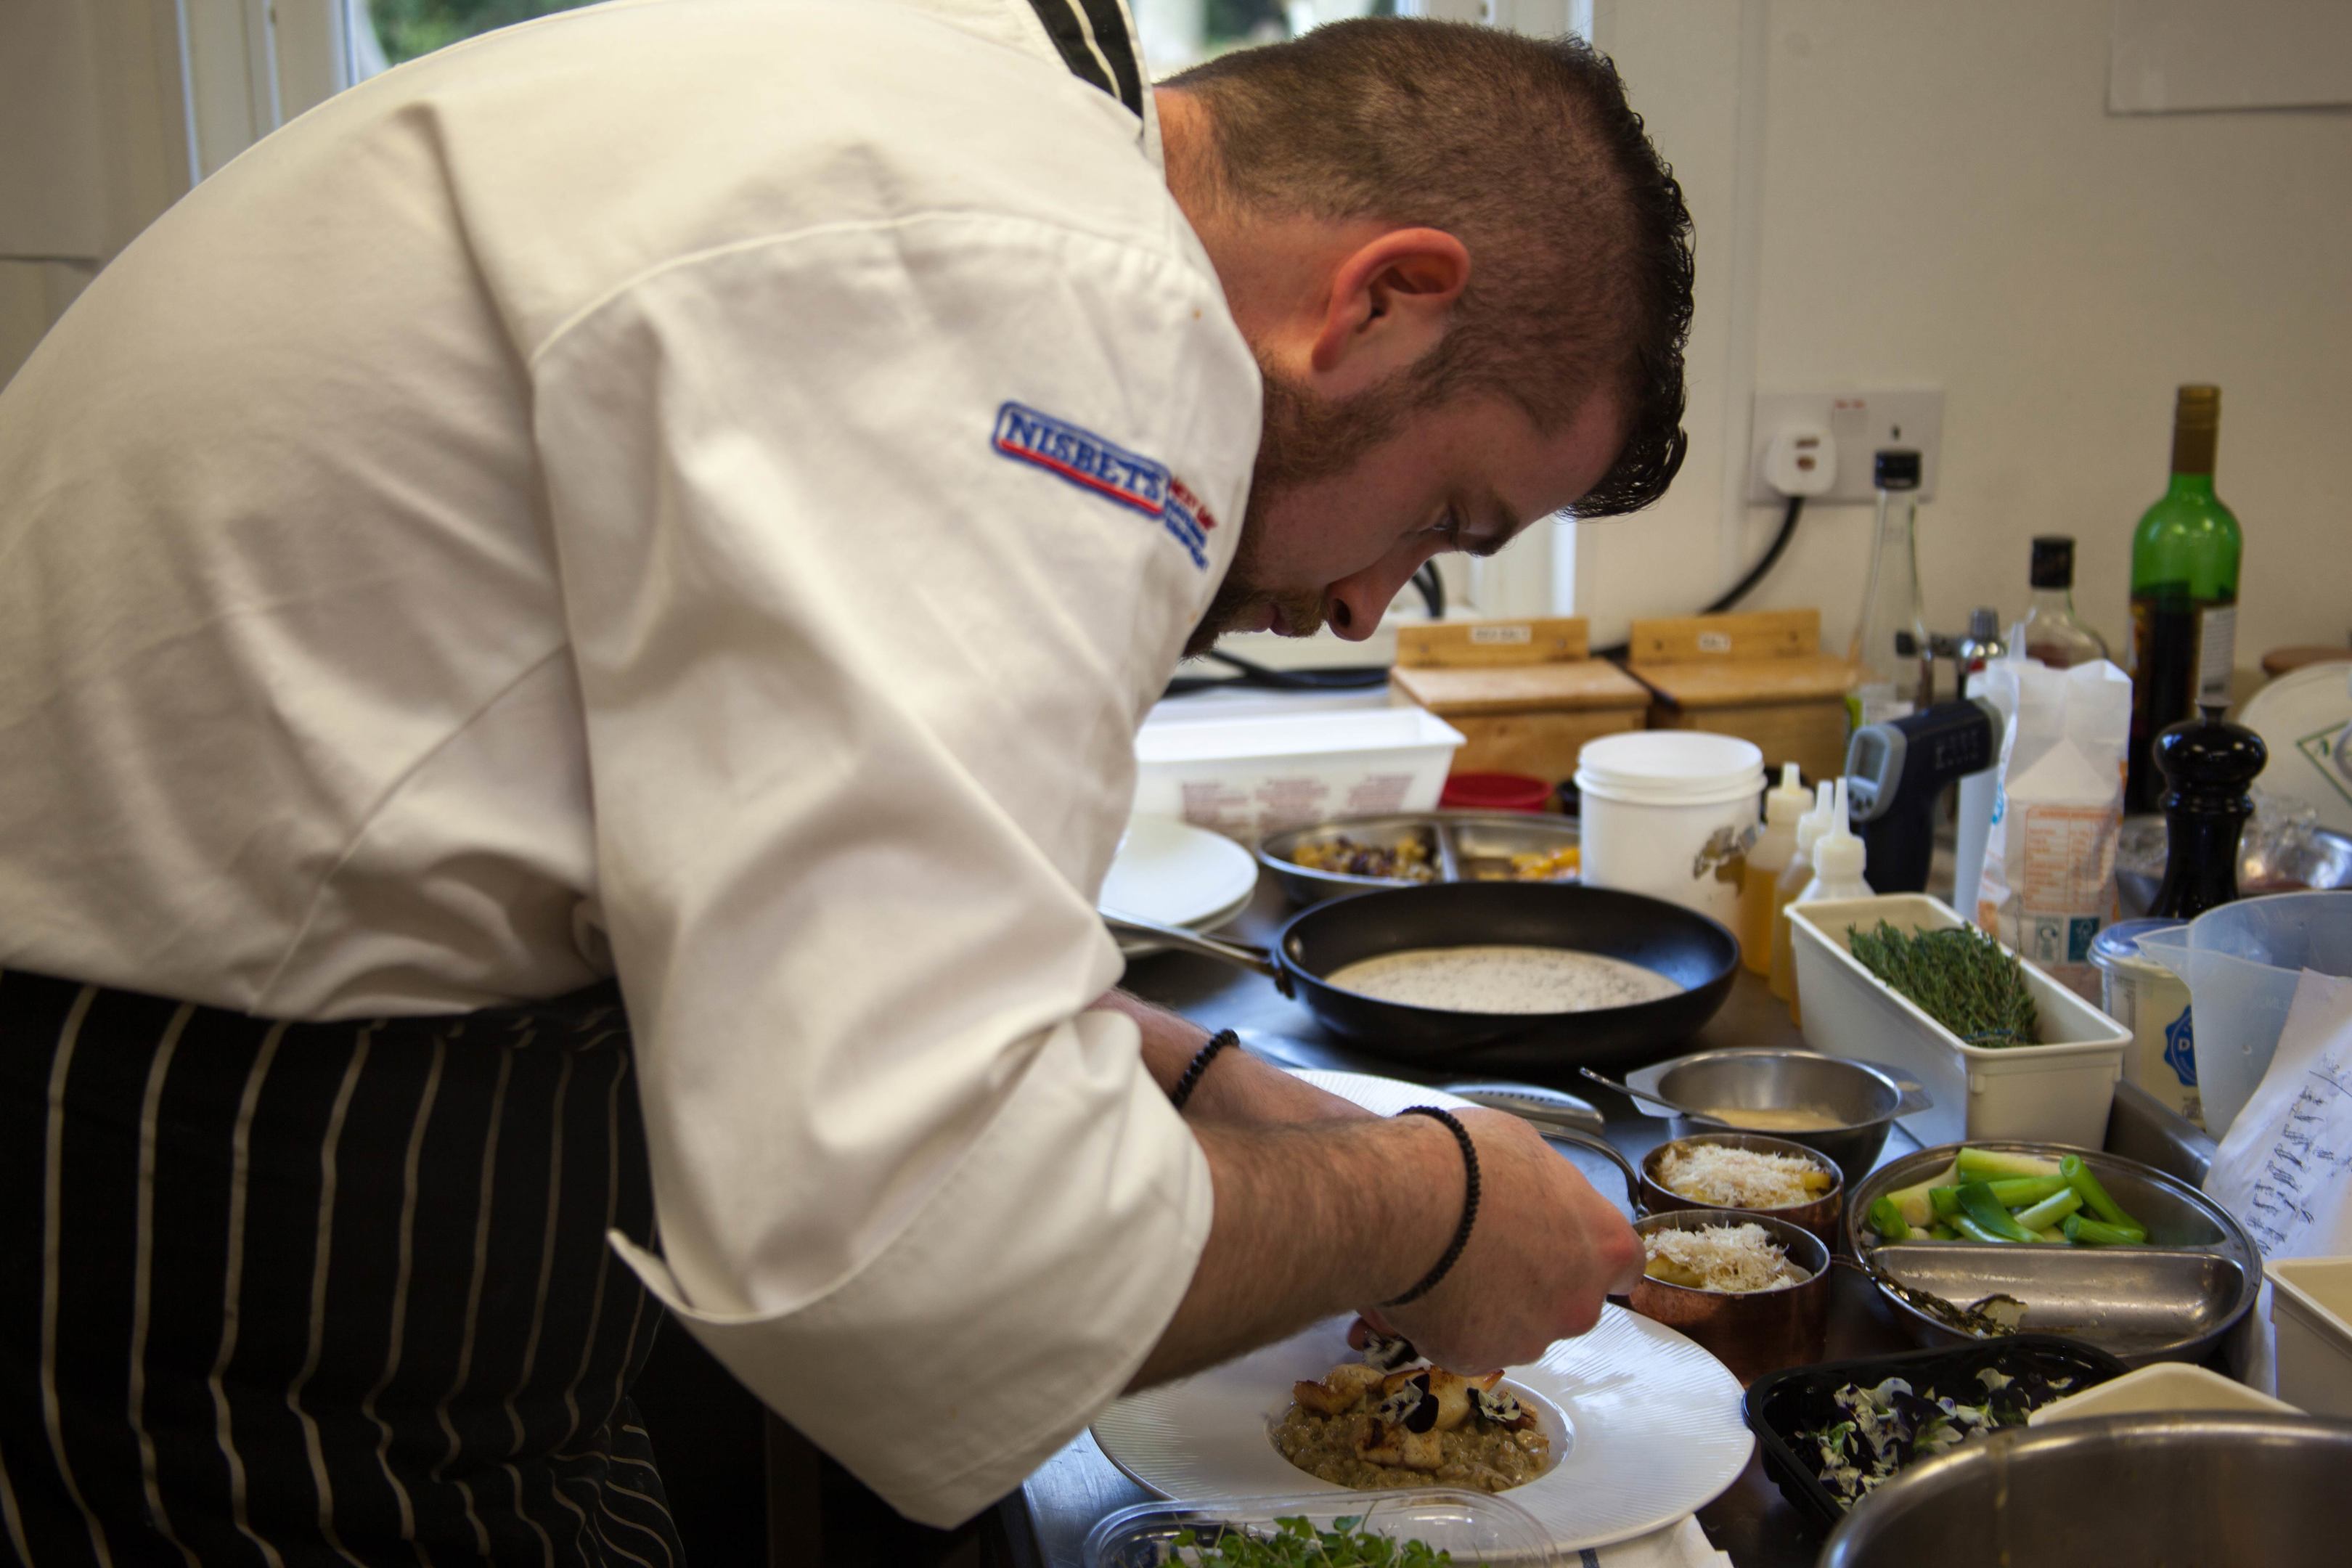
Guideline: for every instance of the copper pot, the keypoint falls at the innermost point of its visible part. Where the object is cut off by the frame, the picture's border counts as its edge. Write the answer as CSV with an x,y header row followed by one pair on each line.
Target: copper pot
x,y
1753,1332
1820,1216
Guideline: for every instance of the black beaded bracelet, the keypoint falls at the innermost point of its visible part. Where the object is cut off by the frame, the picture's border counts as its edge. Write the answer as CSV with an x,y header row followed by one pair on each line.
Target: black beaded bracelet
x,y
1199,1064
1469,1203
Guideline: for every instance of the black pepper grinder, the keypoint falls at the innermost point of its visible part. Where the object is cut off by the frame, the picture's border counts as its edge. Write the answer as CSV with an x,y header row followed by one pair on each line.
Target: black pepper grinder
x,y
2206,763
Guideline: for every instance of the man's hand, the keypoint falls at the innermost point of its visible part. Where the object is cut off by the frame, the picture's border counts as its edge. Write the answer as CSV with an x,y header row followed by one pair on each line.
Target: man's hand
x,y
1322,1217
1544,1252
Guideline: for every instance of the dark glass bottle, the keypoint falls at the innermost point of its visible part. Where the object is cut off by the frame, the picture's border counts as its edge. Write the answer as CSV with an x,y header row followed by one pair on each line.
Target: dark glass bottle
x,y
2207,764
2184,595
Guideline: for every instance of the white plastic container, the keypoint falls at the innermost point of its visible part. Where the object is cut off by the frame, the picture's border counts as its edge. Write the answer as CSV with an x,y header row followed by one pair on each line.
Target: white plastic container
x,y
1667,813
2311,1307
2152,1002
2055,1092
1248,777
2167,1388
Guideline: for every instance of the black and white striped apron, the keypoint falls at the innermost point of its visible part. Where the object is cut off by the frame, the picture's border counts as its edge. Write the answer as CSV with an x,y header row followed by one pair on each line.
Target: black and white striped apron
x,y
286,1294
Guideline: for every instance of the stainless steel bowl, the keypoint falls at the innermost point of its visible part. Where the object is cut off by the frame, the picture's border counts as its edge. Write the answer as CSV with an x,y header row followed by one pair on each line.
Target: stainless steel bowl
x,y
2171,1299
1461,846
1865,1097
2194,1489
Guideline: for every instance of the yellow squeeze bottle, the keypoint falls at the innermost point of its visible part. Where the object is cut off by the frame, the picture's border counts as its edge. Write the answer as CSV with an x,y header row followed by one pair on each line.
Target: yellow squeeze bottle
x,y
1800,872
1768,857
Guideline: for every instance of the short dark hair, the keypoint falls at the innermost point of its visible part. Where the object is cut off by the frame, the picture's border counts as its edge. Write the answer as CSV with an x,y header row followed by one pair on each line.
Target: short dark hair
x,y
1524,148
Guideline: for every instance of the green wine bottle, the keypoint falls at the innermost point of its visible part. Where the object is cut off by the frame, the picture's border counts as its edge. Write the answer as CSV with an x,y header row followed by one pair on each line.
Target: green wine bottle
x,y
2184,595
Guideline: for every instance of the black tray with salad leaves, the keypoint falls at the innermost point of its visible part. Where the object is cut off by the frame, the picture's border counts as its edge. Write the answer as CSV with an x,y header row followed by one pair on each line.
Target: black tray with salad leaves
x,y
1831,1432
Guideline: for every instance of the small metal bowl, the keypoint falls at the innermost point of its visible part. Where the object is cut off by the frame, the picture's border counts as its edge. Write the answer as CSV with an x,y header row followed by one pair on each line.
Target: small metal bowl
x,y
1820,1216
1865,1097
1754,1332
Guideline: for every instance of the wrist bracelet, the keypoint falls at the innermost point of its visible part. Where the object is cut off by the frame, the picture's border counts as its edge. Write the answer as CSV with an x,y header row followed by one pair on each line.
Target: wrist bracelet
x,y
1199,1064
1469,1203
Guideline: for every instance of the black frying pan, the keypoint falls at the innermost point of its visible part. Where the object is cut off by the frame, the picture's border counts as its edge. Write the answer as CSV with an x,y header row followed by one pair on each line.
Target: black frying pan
x,y
1685,947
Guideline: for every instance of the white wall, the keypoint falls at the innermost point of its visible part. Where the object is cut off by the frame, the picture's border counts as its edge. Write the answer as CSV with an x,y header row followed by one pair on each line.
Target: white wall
x,y
1901,192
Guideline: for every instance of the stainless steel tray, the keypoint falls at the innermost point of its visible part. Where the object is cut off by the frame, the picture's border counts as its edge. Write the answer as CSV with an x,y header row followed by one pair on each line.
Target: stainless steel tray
x,y
1462,846
2171,1299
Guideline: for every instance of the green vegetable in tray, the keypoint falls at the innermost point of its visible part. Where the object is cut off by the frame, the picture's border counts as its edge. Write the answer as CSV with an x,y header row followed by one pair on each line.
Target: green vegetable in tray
x,y
1297,1543
2078,1176
2093,1233
2002,1164
1995,1196
1979,1206
1959,976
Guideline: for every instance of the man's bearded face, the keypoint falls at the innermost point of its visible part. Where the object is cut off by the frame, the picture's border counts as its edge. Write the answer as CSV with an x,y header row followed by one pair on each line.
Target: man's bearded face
x,y
1306,438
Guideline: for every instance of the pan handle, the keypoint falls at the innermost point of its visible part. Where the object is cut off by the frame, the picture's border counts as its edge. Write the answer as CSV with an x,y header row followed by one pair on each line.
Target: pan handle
x,y
1915,1096
1616,1156
1235,952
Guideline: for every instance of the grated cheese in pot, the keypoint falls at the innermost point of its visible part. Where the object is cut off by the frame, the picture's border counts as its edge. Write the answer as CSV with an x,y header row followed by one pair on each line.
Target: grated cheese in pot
x,y
1739,1178
1731,1259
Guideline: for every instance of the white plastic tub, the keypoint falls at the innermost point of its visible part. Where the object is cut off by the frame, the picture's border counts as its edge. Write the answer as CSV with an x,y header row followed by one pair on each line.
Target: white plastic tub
x,y
1248,777
2311,1307
2057,1092
1667,813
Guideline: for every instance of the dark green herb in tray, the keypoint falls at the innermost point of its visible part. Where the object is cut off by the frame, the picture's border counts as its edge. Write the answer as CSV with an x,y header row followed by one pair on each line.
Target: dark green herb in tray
x,y
1297,1543
1957,976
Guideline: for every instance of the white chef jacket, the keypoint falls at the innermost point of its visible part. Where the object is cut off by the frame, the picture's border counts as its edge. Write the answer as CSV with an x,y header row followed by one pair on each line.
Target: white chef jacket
x,y
698,490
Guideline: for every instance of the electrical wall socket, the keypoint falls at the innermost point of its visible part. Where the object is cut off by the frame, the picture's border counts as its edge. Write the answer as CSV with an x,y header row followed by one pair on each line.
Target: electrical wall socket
x,y
1861,423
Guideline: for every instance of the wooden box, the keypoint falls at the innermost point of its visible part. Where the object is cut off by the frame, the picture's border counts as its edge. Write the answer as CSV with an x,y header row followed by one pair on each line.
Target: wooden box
x,y
1761,676
1524,694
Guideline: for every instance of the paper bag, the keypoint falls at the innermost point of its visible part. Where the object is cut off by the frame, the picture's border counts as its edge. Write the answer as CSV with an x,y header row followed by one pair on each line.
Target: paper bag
x,y
2049,877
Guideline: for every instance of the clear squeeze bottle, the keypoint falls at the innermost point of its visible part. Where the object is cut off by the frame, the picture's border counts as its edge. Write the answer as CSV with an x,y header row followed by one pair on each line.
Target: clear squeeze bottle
x,y
1838,861
1810,828
1766,858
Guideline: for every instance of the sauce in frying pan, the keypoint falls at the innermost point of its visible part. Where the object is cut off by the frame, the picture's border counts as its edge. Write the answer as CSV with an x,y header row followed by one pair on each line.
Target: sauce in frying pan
x,y
1503,980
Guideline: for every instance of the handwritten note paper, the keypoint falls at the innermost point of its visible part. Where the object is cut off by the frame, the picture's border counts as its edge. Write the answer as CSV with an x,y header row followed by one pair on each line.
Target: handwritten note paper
x,y
2285,1168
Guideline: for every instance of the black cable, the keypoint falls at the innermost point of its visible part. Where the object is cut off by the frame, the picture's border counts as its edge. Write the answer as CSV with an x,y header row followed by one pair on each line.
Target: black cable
x,y
1739,590
1433,588
1258,675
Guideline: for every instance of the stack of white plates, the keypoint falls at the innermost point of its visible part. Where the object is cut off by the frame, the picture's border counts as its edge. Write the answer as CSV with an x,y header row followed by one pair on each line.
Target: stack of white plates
x,y
1175,874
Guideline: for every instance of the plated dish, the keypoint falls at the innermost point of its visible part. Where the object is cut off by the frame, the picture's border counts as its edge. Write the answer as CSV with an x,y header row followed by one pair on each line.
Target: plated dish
x,y
1642,1424
1391,1420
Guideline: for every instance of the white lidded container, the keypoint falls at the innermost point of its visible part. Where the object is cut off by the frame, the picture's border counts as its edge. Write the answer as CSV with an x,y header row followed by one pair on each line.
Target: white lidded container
x,y
1667,813
1249,777
2152,1002
2311,1307
2055,1092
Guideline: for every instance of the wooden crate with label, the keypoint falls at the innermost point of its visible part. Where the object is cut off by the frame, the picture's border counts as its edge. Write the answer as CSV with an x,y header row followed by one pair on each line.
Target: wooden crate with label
x,y
1526,694
1761,676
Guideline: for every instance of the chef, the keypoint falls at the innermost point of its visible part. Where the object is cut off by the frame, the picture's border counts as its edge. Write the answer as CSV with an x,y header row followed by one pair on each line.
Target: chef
x,y
571,629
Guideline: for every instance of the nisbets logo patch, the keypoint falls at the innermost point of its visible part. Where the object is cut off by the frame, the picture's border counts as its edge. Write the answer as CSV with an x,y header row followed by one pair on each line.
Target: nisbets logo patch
x,y
1079,456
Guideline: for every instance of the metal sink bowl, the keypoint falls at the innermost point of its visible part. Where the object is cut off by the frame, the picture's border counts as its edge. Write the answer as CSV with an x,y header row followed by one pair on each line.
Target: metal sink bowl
x,y
2189,1490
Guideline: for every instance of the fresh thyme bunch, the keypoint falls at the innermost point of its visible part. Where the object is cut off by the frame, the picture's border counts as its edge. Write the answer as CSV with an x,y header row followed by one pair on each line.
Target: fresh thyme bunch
x,y
1959,976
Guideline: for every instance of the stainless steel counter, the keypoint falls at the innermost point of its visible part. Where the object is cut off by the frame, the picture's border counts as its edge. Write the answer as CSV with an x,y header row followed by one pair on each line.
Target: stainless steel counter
x,y
1048,1518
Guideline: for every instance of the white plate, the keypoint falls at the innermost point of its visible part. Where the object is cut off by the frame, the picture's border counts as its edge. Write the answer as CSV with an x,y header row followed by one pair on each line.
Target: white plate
x,y
1646,1425
1178,875
2299,717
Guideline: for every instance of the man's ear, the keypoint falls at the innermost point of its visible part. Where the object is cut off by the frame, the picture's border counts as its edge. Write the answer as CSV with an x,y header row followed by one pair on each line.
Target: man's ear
x,y
1390,303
